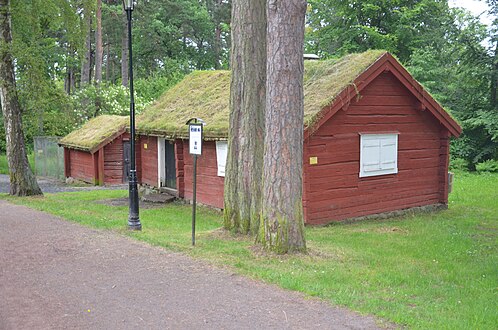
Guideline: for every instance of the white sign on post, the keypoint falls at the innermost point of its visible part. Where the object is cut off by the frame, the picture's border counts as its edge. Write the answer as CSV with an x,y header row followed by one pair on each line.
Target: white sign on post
x,y
195,139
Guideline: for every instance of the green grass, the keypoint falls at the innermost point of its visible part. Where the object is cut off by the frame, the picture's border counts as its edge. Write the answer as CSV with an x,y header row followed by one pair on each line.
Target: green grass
x,y
429,271
4,166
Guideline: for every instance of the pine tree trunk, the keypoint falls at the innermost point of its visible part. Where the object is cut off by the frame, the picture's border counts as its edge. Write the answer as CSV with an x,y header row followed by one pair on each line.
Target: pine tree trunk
x,y
494,80
99,50
108,76
217,46
87,61
217,34
247,104
22,180
282,226
124,52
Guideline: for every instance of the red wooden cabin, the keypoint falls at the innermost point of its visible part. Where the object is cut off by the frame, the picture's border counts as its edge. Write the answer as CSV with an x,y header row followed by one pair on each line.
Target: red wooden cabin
x,y
379,147
375,141
98,152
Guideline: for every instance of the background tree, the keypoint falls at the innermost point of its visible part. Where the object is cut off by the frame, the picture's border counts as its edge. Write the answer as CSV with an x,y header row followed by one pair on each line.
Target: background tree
x,y
88,59
445,48
246,128
493,12
282,224
457,72
338,27
22,180
219,11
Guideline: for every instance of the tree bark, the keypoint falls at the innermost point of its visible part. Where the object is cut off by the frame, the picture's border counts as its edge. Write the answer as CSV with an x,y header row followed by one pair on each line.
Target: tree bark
x,y
124,52
215,11
217,47
246,125
87,61
282,225
494,79
108,76
22,180
99,50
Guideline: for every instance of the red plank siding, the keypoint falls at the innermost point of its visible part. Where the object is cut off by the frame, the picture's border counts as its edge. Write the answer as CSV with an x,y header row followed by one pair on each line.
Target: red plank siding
x,y
180,168
113,161
333,189
81,165
209,184
148,161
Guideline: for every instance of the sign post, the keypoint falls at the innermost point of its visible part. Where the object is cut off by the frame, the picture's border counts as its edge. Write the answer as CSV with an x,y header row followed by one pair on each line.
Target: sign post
x,y
195,149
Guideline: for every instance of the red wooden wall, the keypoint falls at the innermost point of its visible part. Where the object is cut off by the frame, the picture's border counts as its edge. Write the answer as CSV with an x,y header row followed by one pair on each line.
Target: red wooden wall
x,y
105,166
79,165
209,184
333,189
148,160
180,168
113,160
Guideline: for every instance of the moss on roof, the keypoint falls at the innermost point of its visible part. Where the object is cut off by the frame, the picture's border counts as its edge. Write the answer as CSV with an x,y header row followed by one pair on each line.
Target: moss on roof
x,y
202,94
325,80
206,94
95,132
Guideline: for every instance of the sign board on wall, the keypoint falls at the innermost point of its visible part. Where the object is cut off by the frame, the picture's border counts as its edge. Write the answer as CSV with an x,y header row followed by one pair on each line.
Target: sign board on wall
x,y
195,139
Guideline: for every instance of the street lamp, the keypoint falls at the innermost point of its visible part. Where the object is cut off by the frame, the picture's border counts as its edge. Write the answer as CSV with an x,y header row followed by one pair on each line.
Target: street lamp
x,y
133,218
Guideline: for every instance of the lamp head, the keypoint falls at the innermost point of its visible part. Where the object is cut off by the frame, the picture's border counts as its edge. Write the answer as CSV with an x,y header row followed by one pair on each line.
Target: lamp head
x,y
128,4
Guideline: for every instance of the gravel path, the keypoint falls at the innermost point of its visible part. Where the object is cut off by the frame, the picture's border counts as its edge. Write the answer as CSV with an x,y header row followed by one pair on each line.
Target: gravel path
x,y
56,275
49,185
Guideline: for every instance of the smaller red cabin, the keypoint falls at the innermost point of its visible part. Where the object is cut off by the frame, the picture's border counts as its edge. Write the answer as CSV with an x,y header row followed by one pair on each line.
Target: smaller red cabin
x,y
98,152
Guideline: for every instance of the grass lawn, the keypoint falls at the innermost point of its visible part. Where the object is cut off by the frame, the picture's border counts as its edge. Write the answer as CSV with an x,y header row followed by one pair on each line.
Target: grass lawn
x,y
430,271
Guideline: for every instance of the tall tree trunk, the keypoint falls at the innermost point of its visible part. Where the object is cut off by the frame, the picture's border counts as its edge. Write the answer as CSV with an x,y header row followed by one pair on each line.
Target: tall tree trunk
x,y
99,53
108,61
99,50
68,81
494,79
247,104
217,47
22,180
282,225
87,61
124,52
217,33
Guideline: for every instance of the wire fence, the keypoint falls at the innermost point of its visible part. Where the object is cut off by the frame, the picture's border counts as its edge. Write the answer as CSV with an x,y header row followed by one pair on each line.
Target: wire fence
x,y
49,157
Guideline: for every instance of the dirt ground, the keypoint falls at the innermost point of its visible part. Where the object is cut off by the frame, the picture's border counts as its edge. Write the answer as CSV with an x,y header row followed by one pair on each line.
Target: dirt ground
x,y
51,185
59,275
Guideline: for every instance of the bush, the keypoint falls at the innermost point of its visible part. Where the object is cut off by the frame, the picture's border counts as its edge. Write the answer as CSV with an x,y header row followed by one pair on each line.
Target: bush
x,y
90,101
459,164
488,166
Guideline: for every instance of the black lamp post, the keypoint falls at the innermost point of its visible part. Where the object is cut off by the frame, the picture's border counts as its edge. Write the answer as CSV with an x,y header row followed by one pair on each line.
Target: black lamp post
x,y
133,218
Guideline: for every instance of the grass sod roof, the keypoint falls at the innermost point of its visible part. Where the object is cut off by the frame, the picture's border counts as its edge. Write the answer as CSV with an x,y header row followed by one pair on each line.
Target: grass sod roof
x,y
201,94
206,95
95,132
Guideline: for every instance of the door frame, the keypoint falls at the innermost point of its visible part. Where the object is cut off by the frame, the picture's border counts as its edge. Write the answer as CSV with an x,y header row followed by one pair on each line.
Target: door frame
x,y
124,172
161,162
161,165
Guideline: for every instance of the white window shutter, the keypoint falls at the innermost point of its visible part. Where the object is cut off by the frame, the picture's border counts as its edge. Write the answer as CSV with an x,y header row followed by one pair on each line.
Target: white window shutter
x,y
221,156
389,153
371,153
378,154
